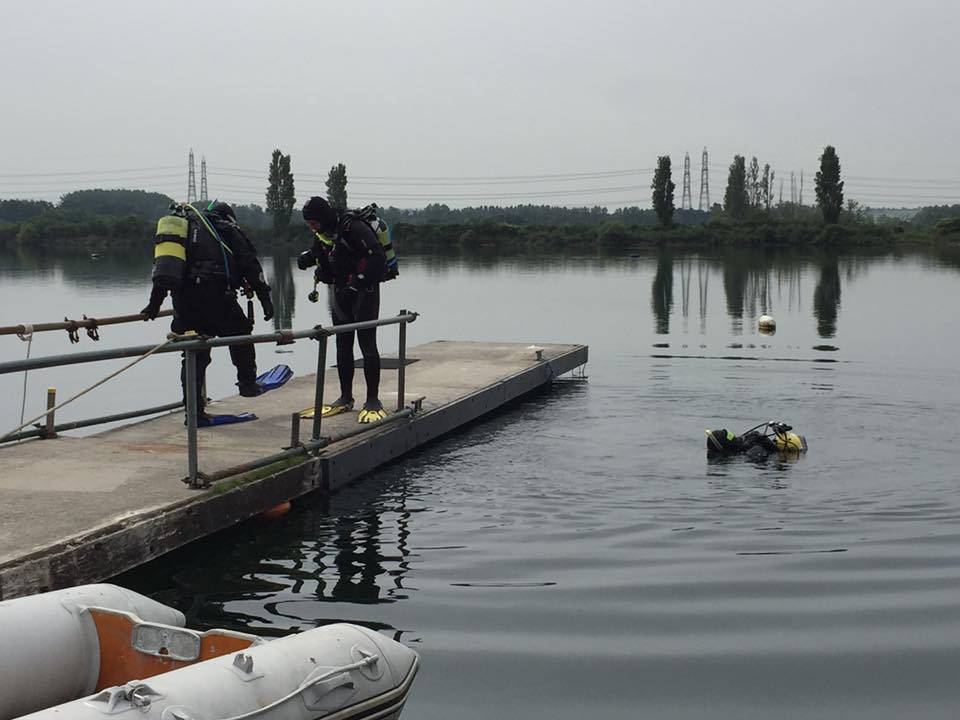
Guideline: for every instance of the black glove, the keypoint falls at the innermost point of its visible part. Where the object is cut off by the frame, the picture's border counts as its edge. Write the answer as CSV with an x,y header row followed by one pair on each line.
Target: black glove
x,y
153,307
306,259
323,275
266,303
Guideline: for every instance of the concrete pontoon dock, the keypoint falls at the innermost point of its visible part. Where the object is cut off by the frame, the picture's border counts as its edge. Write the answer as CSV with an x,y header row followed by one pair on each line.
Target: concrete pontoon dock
x,y
75,510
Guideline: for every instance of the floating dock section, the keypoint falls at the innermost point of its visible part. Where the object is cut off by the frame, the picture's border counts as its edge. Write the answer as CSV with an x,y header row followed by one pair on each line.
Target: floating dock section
x,y
77,510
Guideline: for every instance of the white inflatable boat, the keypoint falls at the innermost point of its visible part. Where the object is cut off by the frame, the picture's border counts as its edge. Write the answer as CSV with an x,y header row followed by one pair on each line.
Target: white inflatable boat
x,y
100,650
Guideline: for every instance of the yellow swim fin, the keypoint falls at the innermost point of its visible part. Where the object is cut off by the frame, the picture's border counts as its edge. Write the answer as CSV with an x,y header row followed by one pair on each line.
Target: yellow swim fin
x,y
339,406
372,412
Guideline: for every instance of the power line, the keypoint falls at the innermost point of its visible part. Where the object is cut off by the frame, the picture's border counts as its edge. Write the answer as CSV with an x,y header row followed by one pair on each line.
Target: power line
x,y
30,184
442,183
531,193
93,172
465,178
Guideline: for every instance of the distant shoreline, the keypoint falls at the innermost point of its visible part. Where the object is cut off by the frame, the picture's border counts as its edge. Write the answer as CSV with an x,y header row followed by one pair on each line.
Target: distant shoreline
x,y
134,233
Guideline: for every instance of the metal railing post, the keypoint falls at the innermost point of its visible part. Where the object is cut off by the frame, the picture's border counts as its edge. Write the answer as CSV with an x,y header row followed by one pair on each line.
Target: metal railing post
x,y
190,390
402,369
321,372
51,431
295,430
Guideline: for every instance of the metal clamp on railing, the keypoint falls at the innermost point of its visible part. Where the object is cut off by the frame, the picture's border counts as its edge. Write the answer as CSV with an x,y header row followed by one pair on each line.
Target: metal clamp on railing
x,y
72,331
92,331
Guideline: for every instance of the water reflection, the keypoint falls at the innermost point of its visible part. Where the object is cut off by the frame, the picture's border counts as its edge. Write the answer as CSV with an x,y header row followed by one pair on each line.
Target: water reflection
x,y
703,283
284,294
271,577
662,300
754,282
122,266
826,297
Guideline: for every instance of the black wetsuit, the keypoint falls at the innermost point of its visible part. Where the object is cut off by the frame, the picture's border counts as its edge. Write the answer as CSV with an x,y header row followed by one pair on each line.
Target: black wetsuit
x,y
354,268
207,301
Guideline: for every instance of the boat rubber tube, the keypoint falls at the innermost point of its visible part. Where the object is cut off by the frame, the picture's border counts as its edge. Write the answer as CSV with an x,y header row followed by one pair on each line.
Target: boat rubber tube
x,y
51,649
340,670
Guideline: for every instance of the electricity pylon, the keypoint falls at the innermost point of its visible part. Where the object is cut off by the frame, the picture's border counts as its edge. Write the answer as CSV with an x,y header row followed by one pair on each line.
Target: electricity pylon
x,y
704,182
191,181
686,202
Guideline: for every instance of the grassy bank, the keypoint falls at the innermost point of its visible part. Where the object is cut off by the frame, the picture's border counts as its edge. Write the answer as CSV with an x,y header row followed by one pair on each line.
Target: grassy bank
x,y
61,230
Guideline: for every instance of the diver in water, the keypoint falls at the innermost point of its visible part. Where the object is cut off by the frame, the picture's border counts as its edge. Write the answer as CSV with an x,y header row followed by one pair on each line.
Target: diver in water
x,y
756,444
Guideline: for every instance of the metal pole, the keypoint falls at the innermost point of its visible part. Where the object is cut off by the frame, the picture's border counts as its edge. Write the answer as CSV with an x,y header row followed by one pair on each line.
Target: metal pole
x,y
51,404
190,390
318,395
76,324
294,429
62,427
402,369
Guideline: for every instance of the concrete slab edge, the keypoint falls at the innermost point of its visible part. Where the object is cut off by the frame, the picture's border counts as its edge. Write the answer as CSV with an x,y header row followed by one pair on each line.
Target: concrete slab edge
x,y
121,546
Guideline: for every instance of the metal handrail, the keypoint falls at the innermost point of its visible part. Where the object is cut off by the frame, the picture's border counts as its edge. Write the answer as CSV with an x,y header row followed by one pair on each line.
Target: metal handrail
x,y
182,345
115,417
71,326
189,345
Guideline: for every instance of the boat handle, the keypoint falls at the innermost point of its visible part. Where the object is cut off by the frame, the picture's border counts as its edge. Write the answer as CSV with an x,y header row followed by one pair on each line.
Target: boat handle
x,y
332,674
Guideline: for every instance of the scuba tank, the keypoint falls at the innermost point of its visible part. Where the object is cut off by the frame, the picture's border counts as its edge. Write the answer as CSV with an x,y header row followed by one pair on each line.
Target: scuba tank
x,y
170,250
369,215
210,256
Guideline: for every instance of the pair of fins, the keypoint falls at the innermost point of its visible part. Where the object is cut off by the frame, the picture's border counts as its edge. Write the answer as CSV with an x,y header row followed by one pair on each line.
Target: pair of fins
x,y
367,414
270,380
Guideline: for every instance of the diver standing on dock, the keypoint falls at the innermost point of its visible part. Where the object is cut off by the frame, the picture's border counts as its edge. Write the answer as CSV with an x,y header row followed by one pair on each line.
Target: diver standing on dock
x,y
203,258
350,259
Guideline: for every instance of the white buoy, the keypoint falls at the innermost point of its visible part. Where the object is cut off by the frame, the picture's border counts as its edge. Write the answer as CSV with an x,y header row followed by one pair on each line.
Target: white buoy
x,y
767,324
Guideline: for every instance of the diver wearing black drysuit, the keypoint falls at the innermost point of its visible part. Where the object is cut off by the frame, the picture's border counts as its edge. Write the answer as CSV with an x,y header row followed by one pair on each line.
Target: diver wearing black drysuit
x,y
351,260
218,264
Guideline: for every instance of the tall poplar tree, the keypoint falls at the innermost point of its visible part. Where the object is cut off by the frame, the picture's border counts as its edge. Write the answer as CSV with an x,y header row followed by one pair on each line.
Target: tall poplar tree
x,y
829,186
735,199
337,186
280,191
753,182
663,188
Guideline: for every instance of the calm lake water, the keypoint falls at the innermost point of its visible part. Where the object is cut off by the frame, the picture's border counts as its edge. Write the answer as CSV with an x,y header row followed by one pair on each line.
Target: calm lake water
x,y
575,555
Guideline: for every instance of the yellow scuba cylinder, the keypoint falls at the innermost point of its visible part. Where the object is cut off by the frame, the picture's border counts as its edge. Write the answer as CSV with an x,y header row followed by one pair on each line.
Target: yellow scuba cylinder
x,y
790,442
392,268
170,252
379,226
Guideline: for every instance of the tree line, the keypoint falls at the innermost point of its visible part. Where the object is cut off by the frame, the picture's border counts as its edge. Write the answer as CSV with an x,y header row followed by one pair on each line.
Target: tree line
x,y
750,190
749,211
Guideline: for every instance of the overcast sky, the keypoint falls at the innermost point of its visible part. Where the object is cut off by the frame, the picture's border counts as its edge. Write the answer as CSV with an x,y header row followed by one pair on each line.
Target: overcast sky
x,y
462,102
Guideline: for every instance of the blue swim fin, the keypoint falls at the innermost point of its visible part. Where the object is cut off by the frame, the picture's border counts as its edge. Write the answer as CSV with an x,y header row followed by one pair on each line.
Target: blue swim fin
x,y
274,378
207,420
